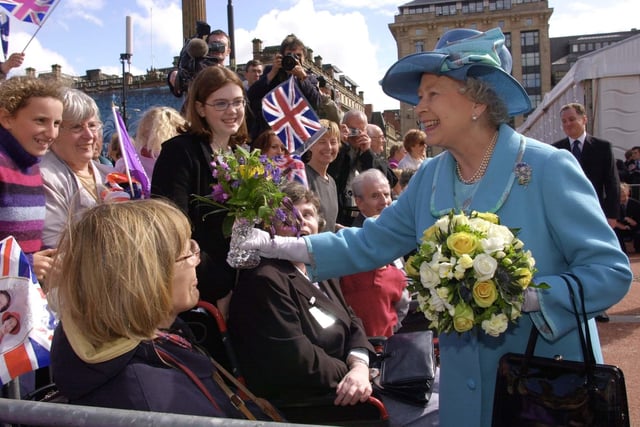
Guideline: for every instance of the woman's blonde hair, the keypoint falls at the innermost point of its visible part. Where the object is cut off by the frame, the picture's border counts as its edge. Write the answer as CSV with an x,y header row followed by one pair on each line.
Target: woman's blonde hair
x,y
114,269
157,125
333,129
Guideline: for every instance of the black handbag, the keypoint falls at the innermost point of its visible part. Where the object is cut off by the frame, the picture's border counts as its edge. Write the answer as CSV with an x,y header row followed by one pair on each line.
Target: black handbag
x,y
407,367
539,391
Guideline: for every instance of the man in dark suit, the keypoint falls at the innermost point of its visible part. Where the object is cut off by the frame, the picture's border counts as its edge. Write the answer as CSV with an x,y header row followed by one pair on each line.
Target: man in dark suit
x,y
628,225
596,158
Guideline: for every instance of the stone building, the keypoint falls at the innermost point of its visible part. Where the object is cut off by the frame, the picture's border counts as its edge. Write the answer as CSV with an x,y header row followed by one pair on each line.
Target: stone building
x,y
525,23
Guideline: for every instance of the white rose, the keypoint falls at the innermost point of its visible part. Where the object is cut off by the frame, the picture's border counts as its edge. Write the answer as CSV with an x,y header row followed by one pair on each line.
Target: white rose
x,y
496,325
492,244
518,244
479,224
428,276
458,272
484,266
465,261
443,224
459,219
501,232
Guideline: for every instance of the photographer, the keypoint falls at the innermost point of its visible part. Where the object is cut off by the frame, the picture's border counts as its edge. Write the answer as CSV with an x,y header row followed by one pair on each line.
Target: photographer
x,y
286,63
201,51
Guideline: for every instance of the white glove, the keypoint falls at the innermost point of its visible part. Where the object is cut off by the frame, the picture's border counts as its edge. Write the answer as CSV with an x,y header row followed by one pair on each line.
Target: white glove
x,y
289,248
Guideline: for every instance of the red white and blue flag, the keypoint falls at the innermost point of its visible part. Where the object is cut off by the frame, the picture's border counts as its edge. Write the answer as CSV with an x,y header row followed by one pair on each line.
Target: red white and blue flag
x,y
291,117
26,323
293,168
4,33
32,11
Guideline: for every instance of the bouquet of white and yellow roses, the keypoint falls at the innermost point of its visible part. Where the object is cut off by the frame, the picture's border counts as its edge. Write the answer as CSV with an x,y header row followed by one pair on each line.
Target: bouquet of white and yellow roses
x,y
471,271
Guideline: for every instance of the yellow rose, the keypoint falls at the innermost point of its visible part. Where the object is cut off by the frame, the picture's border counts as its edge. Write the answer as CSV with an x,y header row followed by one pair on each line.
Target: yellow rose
x,y
485,293
488,216
462,318
524,277
462,243
465,261
409,268
430,233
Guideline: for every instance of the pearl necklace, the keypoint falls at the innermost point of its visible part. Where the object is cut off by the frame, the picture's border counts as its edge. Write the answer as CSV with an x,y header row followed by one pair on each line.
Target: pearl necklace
x,y
483,164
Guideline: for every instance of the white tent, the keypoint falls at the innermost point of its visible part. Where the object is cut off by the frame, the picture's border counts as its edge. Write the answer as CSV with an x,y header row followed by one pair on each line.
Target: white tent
x,y
607,82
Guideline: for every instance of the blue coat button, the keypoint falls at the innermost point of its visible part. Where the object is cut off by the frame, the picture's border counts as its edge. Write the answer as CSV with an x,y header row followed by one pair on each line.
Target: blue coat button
x,y
471,384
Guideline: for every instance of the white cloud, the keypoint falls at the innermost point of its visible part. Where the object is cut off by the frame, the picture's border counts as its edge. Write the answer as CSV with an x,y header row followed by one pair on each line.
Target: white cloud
x,y
342,39
592,17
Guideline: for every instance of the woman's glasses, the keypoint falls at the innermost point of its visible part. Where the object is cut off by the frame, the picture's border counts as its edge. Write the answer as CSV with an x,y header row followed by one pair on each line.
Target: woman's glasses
x,y
223,104
193,258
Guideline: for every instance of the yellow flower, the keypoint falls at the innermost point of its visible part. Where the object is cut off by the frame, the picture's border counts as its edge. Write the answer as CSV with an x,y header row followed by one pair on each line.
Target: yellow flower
x,y
430,233
487,216
465,261
462,243
485,293
463,318
524,277
409,268
247,172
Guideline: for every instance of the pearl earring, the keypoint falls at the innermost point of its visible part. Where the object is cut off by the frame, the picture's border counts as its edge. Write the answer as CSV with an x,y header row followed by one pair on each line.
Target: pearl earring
x,y
474,117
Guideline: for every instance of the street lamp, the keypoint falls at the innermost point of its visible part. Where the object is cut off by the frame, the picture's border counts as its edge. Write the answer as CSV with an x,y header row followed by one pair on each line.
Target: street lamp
x,y
126,57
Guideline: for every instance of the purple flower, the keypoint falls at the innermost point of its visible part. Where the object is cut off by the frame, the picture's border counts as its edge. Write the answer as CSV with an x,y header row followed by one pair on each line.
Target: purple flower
x,y
235,184
219,194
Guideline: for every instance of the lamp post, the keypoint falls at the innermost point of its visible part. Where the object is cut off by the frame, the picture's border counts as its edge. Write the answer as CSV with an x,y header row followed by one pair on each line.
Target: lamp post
x,y
232,37
126,57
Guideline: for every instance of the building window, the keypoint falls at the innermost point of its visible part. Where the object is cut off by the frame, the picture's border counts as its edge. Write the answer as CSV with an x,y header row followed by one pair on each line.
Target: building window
x,y
419,47
499,5
446,9
574,48
507,40
531,80
472,7
530,38
419,31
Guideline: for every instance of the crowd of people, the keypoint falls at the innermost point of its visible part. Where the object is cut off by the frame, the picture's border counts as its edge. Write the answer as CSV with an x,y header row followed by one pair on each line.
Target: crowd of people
x,y
118,275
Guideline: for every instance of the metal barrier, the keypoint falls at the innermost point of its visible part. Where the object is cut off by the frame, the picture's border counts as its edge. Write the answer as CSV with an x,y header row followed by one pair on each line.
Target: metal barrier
x,y
60,414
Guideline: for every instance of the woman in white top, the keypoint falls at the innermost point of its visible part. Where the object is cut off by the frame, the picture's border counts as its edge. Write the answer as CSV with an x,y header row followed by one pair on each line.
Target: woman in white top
x,y
415,142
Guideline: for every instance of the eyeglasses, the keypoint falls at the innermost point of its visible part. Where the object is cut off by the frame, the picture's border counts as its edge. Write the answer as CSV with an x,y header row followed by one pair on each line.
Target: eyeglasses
x,y
77,129
194,254
223,104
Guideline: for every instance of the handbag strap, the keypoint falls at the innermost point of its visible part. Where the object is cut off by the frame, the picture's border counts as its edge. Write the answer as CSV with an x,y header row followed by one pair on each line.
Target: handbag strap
x,y
167,358
584,335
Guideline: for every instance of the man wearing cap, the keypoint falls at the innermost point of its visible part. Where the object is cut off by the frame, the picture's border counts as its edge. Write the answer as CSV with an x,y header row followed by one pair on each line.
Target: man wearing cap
x,y
463,96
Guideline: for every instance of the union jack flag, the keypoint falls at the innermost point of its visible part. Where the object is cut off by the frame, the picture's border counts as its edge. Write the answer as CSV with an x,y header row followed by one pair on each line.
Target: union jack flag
x,y
292,168
27,325
291,117
32,11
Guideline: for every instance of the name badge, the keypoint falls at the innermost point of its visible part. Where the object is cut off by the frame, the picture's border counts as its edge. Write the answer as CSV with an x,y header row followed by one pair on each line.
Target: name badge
x,y
324,319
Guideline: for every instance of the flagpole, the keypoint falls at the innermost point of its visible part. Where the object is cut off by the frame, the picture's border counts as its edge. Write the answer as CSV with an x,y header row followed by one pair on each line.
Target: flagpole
x,y
55,4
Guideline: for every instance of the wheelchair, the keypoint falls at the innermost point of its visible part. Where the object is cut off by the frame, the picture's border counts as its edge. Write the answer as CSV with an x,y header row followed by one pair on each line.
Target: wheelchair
x,y
210,329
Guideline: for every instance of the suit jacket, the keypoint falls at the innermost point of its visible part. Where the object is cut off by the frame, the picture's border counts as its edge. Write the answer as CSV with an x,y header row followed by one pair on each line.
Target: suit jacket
x,y
183,169
281,347
599,165
583,244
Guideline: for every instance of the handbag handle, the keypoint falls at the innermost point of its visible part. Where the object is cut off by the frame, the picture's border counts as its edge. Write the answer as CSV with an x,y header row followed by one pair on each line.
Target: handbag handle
x,y
585,335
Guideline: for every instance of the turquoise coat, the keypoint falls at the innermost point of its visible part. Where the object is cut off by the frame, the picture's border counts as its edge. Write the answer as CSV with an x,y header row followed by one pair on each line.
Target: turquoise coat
x,y
561,223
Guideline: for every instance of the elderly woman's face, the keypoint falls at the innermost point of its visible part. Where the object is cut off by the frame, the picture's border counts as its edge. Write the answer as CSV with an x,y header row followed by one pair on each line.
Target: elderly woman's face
x,y
444,111
76,141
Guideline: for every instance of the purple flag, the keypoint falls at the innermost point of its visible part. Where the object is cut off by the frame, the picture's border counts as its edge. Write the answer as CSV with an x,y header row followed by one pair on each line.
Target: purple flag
x,y
132,163
291,117
4,33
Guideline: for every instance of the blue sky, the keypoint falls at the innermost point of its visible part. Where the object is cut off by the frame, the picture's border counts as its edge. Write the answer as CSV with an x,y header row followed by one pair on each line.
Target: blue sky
x,y
352,34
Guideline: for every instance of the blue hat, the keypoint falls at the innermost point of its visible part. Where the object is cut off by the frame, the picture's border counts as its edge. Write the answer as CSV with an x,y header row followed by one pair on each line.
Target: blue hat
x,y
459,54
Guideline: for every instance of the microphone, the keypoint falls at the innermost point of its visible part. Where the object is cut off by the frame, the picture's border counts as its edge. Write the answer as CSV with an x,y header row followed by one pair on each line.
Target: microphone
x,y
197,48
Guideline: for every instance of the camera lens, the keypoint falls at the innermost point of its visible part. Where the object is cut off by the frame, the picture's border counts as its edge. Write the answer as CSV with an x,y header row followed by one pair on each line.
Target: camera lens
x,y
217,47
289,62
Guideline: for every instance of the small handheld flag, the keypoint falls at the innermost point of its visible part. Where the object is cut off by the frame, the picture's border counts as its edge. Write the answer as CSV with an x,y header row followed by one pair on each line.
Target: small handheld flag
x,y
27,322
4,33
32,11
291,117
133,166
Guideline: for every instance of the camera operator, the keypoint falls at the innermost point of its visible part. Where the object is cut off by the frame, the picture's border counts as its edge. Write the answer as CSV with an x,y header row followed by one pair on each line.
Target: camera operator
x,y
201,51
286,63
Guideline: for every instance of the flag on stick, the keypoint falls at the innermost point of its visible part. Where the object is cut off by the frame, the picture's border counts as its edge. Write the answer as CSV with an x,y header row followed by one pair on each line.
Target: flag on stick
x,y
291,117
4,33
32,11
27,322
132,165
293,168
